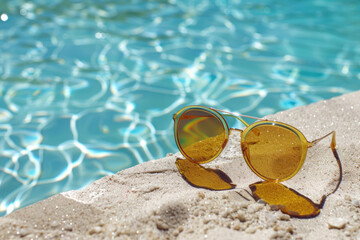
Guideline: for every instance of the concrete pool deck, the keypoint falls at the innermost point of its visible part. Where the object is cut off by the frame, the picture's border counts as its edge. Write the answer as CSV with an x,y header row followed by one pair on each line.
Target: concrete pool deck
x,y
152,201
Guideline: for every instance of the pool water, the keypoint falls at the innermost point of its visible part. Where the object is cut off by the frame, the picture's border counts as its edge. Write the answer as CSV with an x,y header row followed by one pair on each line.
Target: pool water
x,y
89,88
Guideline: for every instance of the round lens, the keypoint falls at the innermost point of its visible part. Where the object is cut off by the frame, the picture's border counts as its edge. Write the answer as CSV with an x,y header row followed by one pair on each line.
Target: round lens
x,y
273,152
201,135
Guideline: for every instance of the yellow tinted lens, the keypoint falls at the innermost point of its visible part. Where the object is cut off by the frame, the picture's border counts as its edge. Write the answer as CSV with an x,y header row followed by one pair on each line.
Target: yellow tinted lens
x,y
273,152
201,135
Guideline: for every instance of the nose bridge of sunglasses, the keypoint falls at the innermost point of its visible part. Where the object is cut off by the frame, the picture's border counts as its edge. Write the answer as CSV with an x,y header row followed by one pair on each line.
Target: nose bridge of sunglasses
x,y
234,120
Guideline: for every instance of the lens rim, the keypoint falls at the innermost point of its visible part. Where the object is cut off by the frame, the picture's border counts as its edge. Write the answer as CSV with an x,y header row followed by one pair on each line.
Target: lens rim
x,y
177,117
302,139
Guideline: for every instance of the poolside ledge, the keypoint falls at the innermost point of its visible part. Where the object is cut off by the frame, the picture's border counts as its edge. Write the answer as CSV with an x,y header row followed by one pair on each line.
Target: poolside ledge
x,y
152,201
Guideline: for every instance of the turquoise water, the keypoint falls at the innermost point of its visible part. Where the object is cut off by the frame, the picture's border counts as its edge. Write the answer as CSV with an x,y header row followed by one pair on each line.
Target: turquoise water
x,y
88,89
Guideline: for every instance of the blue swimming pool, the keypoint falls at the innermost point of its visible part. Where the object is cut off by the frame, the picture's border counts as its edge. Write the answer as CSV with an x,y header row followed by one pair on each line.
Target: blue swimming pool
x,y
89,88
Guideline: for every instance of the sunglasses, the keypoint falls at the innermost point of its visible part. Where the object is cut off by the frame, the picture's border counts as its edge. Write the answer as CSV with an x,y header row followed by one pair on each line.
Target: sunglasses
x,y
273,150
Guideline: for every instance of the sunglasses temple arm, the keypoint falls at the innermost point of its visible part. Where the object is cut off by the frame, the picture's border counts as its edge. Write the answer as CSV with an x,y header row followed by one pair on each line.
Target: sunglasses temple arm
x,y
336,155
313,143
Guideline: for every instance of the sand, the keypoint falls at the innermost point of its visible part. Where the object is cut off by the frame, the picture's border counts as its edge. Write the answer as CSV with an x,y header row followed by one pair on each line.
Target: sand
x,y
152,200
